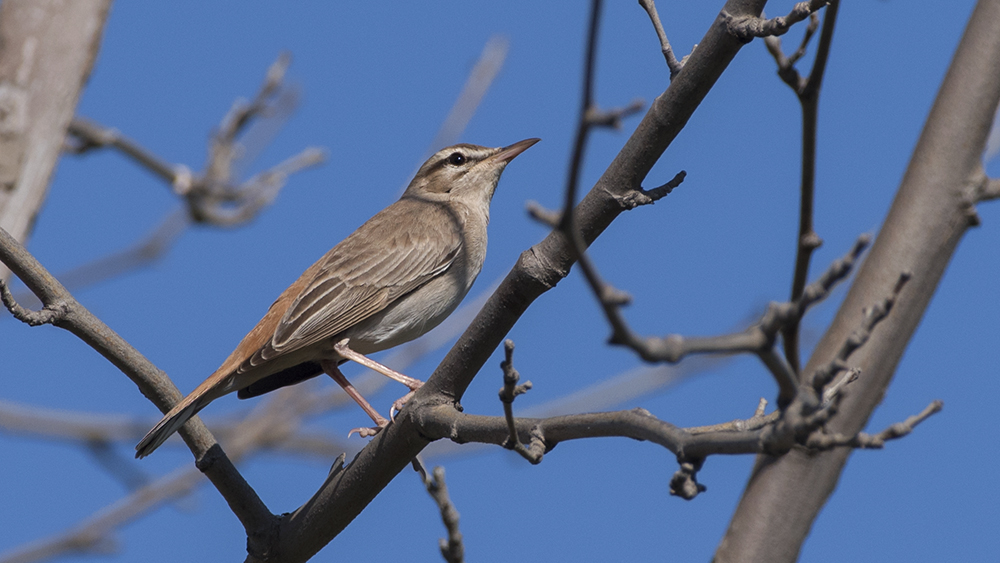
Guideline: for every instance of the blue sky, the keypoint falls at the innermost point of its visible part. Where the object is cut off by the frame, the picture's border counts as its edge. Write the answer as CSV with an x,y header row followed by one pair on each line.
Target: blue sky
x,y
376,84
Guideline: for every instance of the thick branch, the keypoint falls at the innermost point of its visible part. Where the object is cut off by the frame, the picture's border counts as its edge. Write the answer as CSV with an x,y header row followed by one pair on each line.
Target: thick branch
x,y
47,48
921,232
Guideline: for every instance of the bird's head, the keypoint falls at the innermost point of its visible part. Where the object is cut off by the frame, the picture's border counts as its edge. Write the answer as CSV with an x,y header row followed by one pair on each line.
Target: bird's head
x,y
464,171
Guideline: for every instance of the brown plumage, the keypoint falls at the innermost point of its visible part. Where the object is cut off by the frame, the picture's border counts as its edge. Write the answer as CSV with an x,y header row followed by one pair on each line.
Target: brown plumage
x,y
390,281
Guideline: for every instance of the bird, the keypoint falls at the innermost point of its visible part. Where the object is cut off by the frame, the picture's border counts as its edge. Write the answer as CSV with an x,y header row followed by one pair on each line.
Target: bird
x,y
396,277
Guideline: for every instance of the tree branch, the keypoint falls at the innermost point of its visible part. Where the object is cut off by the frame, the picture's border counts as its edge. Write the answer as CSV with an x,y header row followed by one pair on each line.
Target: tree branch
x,y
309,528
807,91
673,64
47,49
215,196
452,549
927,220
745,28
152,382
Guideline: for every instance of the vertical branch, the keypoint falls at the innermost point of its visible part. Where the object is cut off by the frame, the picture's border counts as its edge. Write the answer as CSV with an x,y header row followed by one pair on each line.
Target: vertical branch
x,y
921,232
808,241
583,125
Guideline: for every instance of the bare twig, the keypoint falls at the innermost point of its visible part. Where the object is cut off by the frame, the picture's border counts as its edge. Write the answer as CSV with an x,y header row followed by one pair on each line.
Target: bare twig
x,y
991,190
786,64
508,393
760,434
612,118
874,441
758,420
214,196
86,135
812,407
673,64
807,91
49,314
746,28
547,217
758,339
453,548
873,315
977,189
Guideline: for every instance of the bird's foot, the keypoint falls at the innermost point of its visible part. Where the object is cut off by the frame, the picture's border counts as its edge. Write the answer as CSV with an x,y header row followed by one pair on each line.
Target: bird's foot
x,y
368,431
399,403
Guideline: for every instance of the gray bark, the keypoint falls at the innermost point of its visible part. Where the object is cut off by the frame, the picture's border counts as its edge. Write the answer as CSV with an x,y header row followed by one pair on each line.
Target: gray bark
x,y
47,49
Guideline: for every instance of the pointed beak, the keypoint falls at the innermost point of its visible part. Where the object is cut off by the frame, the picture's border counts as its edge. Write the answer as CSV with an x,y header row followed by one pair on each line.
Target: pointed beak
x,y
508,153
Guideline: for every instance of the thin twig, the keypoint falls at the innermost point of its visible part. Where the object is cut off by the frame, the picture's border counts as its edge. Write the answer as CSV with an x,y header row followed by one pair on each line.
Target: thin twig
x,y
873,315
508,393
49,314
769,434
991,190
612,118
807,91
874,441
453,548
758,339
746,28
673,64
214,196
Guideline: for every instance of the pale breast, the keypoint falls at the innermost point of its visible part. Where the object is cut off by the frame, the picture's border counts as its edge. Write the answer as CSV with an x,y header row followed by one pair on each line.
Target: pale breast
x,y
414,314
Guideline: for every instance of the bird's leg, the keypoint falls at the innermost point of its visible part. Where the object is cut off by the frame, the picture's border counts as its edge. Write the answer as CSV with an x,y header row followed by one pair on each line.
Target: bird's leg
x,y
331,369
345,351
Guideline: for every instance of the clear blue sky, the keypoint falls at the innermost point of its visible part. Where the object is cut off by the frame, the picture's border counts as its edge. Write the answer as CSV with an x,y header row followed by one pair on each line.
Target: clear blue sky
x,y
377,80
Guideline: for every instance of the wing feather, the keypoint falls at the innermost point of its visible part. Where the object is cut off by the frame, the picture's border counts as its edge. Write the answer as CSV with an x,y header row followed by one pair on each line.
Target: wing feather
x,y
359,277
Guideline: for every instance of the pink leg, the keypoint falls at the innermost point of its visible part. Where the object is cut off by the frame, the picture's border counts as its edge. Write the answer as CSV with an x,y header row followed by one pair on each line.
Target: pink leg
x,y
333,371
345,351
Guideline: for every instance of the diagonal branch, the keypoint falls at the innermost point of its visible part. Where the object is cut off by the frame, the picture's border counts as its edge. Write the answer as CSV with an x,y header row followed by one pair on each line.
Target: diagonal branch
x,y
152,382
538,269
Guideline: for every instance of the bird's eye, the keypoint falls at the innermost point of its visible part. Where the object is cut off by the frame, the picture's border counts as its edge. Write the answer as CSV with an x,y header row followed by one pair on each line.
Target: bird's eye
x,y
456,159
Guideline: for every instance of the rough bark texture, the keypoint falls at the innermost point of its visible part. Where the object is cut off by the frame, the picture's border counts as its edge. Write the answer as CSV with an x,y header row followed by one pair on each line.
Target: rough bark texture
x,y
47,49
928,217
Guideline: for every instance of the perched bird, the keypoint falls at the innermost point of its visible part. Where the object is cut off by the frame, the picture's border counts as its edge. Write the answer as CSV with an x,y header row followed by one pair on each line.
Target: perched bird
x,y
395,278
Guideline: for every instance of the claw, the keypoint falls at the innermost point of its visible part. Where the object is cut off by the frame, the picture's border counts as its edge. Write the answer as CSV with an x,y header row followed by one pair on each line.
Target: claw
x,y
366,431
399,403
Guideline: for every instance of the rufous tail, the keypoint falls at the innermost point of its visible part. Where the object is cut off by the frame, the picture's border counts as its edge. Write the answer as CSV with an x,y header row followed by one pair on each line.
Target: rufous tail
x,y
170,423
